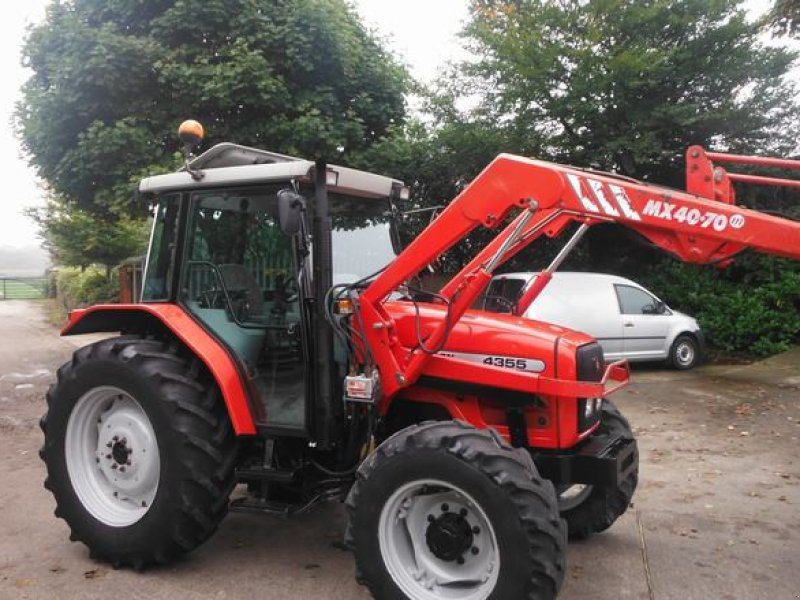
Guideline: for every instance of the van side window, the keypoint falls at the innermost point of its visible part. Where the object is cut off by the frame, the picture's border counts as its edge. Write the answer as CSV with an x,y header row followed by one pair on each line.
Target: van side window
x,y
633,301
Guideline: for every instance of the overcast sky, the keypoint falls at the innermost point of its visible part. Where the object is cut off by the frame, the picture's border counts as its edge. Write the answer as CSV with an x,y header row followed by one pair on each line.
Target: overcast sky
x,y
423,33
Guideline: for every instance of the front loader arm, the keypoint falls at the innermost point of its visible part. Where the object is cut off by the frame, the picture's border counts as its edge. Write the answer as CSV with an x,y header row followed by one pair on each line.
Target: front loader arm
x,y
695,229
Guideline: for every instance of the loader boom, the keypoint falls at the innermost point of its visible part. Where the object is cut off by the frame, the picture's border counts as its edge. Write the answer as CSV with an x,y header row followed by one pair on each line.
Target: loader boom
x,y
695,229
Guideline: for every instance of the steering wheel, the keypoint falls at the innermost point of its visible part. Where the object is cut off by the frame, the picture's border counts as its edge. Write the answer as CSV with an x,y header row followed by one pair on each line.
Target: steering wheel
x,y
212,298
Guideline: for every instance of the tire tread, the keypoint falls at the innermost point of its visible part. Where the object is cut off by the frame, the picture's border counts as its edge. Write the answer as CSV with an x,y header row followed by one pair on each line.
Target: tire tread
x,y
199,420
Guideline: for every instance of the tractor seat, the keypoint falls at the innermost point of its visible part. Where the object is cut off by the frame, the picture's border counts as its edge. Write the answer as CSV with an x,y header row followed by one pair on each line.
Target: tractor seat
x,y
246,295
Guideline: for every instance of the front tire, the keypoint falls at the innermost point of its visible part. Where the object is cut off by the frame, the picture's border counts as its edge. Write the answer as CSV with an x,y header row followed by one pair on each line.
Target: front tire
x,y
139,450
444,510
684,353
592,509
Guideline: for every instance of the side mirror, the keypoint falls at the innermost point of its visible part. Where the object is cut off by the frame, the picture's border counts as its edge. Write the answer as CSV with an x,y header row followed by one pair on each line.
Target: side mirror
x,y
661,307
290,211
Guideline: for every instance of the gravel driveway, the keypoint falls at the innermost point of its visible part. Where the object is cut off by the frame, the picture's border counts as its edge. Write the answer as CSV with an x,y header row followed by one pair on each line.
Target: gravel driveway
x,y
716,515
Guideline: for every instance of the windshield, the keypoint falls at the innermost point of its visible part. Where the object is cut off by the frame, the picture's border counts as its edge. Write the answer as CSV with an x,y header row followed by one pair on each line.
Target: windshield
x,y
361,237
502,294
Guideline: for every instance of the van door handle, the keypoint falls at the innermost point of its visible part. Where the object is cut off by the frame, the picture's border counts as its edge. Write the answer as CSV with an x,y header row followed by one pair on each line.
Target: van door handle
x,y
628,324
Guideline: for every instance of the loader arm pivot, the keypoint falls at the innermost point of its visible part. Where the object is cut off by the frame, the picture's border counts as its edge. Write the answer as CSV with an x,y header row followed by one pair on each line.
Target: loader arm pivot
x,y
702,230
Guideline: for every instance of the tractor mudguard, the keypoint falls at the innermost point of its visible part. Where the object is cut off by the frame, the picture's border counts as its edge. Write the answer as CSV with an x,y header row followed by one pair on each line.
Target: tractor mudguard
x,y
172,318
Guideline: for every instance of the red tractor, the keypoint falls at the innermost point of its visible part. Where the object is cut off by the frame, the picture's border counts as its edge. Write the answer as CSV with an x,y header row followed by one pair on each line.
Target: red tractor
x,y
282,342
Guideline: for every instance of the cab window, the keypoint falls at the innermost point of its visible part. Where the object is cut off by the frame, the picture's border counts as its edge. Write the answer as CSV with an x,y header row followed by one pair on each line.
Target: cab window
x,y
161,256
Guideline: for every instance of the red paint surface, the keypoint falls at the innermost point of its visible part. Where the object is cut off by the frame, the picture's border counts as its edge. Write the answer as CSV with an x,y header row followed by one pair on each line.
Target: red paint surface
x,y
205,347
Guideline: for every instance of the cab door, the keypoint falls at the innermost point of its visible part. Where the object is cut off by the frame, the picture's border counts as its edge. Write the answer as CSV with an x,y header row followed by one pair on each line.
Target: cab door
x,y
240,281
644,323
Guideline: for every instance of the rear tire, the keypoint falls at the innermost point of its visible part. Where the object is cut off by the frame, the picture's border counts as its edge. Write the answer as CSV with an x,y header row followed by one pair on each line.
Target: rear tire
x,y
443,501
595,508
130,507
684,353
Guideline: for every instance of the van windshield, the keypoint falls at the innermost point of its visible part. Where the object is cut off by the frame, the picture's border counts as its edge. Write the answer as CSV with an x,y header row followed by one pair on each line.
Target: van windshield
x,y
502,294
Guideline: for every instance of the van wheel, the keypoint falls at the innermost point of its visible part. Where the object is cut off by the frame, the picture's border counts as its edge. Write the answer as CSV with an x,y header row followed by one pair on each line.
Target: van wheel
x,y
684,353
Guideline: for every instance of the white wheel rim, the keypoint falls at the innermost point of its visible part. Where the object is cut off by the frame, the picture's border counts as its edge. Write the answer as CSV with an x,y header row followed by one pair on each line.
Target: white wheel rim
x,y
415,568
685,353
112,456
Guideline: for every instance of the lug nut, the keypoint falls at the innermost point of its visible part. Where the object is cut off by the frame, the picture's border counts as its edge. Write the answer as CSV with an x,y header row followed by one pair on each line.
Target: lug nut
x,y
122,469
114,466
108,456
460,560
474,550
431,518
115,438
476,530
463,512
116,494
108,445
144,504
445,507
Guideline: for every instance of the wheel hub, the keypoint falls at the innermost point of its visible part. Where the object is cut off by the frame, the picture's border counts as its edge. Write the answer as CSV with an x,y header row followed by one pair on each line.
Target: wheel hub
x,y
449,536
437,542
120,452
122,442
685,353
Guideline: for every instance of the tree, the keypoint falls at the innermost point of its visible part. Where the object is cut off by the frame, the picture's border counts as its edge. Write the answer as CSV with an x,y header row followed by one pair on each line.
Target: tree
x,y
627,85
79,238
784,17
113,78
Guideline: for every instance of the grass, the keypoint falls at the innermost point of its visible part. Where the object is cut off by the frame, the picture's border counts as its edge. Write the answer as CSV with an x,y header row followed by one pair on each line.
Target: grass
x,y
18,289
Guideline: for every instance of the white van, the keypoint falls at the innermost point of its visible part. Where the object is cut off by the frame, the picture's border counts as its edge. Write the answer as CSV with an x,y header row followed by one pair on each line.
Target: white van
x,y
628,320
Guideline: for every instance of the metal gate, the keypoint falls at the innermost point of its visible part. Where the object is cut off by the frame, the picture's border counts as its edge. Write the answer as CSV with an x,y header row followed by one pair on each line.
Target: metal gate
x,y
23,288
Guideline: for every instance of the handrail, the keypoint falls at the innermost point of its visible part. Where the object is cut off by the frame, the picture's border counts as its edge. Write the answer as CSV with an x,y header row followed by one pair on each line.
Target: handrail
x,y
705,179
759,161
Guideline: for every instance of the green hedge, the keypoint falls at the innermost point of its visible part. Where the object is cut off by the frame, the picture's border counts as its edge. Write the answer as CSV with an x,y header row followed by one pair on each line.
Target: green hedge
x,y
752,306
76,288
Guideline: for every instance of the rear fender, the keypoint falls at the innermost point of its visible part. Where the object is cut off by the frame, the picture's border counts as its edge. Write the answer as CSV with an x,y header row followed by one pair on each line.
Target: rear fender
x,y
170,318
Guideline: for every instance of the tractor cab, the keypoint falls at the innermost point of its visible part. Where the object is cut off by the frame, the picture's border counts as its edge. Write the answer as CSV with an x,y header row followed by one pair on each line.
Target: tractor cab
x,y
221,249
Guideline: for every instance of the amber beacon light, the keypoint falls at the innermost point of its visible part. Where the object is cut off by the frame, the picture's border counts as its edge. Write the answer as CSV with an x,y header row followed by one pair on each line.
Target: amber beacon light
x,y
191,134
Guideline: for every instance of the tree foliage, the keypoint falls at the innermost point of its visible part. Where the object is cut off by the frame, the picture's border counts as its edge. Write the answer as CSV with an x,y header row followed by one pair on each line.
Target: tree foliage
x,y
627,85
79,238
113,78
784,17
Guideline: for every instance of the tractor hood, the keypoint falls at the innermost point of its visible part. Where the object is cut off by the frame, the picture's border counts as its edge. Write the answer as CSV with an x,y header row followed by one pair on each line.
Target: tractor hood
x,y
491,338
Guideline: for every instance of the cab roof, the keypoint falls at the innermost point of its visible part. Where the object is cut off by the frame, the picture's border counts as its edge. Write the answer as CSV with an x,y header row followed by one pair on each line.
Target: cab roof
x,y
231,164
